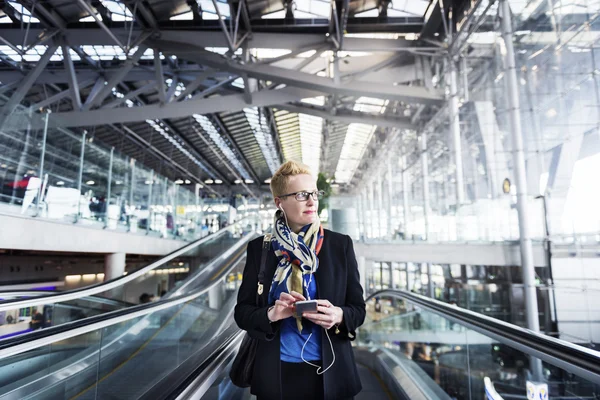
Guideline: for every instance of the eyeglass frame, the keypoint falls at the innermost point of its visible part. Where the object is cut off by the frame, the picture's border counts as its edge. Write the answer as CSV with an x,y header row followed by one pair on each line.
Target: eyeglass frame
x,y
310,194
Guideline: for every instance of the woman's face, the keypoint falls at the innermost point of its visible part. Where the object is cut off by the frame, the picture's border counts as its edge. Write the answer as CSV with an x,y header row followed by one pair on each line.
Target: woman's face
x,y
299,213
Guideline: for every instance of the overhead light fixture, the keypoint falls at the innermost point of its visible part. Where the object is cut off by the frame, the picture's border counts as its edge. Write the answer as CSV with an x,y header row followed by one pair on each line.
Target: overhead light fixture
x,y
187,181
179,182
148,182
268,180
60,183
118,182
218,181
209,181
238,181
249,181
90,183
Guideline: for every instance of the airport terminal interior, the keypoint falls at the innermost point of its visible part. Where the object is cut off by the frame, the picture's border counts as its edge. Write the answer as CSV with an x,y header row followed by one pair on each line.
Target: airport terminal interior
x,y
457,142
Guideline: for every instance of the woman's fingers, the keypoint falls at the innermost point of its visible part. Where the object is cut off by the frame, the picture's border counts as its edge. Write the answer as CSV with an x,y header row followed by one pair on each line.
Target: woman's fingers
x,y
324,303
288,298
297,296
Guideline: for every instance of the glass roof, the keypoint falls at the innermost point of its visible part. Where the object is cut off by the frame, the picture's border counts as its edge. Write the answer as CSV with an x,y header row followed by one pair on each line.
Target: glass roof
x,y
210,129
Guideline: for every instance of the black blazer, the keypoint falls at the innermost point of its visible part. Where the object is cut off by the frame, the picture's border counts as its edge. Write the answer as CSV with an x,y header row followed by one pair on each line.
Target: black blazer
x,y
337,281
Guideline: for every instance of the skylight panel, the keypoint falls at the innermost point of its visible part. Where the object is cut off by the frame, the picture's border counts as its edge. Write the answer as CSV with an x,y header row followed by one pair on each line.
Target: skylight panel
x,y
119,12
275,15
269,53
34,54
414,8
163,131
186,16
369,13
26,15
105,52
357,138
238,83
222,50
311,132
5,20
90,18
209,11
370,105
210,129
259,125
318,101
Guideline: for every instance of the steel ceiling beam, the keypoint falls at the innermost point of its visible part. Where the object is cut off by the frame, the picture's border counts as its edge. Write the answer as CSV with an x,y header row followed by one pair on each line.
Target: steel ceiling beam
x,y
26,84
60,95
73,84
116,78
303,80
350,117
134,75
92,35
216,104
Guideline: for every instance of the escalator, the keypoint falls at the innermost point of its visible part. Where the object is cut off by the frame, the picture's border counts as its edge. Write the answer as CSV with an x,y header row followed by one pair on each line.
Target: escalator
x,y
182,347
180,269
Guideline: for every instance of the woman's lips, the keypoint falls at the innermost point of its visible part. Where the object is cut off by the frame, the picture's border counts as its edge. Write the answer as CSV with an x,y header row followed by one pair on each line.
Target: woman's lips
x,y
309,212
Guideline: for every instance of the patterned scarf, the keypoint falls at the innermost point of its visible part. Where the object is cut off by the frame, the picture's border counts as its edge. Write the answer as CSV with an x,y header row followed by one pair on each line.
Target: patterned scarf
x,y
298,261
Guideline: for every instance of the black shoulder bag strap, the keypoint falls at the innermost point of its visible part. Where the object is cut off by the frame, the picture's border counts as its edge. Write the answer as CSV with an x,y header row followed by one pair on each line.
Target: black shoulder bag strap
x,y
263,261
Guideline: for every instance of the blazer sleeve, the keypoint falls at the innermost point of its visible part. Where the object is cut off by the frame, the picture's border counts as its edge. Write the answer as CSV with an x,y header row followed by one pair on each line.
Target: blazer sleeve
x,y
247,314
354,308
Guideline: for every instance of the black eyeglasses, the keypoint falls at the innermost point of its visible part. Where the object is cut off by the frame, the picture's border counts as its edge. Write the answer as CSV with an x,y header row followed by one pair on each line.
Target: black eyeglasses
x,y
303,195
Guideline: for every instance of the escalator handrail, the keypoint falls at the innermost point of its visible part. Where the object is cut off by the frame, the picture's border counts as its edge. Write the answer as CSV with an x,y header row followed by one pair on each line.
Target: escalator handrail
x,y
577,359
39,338
40,293
113,283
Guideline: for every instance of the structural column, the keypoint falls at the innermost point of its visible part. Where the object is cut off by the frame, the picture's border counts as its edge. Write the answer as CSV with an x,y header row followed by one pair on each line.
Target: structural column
x,y
405,196
390,199
114,267
425,170
528,269
370,208
455,129
216,295
380,227
430,287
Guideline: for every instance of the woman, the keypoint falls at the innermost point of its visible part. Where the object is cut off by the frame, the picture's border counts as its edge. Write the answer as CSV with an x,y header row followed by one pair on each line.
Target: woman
x,y
306,356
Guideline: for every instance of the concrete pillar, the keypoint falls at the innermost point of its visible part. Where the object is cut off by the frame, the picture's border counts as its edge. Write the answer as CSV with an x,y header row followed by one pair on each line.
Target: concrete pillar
x,y
216,296
114,267
430,288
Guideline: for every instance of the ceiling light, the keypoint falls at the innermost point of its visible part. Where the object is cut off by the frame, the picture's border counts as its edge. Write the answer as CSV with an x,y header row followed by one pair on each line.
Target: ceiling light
x,y
90,183
179,182
187,181
268,180
60,183
238,181
118,182
249,181
148,182
209,181
218,181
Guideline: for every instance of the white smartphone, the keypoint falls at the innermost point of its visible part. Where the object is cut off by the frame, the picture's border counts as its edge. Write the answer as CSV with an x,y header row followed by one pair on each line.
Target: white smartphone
x,y
306,306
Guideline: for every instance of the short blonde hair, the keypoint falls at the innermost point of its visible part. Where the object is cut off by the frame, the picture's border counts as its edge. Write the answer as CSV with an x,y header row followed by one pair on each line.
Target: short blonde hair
x,y
280,179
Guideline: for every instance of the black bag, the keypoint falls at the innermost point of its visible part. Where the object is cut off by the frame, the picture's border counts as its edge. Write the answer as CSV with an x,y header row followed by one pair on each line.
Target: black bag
x,y
243,364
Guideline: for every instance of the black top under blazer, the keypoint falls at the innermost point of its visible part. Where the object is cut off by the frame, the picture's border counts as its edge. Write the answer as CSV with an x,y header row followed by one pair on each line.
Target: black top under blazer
x,y
337,281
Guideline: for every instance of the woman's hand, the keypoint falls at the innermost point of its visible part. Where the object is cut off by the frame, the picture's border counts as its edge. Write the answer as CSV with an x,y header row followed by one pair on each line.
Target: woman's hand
x,y
284,307
327,316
